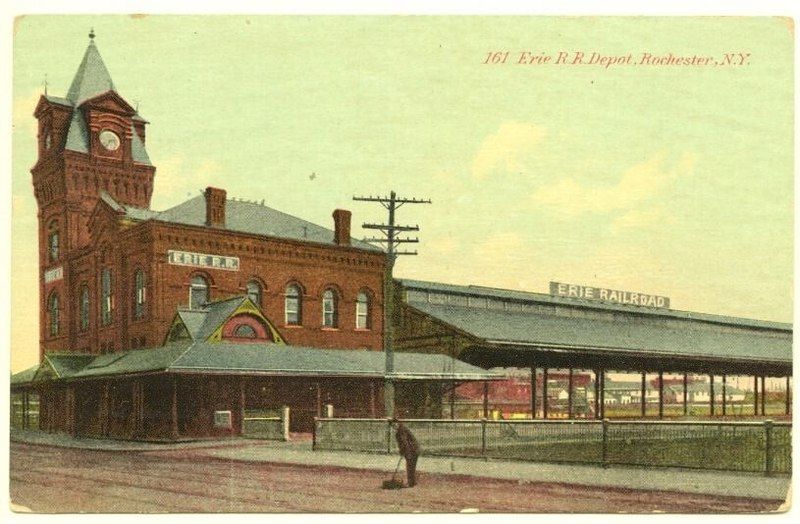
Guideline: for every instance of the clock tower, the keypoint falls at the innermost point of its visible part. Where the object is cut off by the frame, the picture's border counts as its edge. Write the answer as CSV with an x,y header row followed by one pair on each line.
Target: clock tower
x,y
89,142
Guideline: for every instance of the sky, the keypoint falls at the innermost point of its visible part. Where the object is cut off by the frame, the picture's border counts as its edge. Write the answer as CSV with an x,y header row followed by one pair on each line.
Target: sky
x,y
662,179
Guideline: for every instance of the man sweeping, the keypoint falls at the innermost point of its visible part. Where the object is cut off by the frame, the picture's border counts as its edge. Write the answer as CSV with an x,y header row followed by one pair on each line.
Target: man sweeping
x,y
409,450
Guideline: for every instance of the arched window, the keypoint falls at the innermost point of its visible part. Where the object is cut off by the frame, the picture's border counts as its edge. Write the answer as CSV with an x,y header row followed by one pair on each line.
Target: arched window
x,y
294,305
254,292
84,308
363,311
106,297
53,245
198,292
244,331
140,294
329,308
55,313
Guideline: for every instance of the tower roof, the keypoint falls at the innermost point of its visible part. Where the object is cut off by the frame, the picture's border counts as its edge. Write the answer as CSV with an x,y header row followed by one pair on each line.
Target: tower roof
x,y
92,77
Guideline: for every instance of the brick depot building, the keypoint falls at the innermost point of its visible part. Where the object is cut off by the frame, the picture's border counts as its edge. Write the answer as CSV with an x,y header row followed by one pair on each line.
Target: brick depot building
x,y
175,323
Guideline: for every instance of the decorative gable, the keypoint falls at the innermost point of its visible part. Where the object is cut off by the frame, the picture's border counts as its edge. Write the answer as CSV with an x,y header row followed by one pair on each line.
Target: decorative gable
x,y
246,324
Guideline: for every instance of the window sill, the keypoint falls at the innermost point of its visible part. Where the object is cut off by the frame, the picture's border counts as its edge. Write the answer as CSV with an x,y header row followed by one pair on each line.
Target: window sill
x,y
362,330
329,328
293,326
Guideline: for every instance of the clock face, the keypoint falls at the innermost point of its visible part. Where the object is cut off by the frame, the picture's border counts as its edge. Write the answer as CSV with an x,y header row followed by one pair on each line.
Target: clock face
x,y
109,140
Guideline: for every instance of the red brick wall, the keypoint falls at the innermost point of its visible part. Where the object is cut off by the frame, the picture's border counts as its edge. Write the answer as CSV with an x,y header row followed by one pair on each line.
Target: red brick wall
x,y
273,262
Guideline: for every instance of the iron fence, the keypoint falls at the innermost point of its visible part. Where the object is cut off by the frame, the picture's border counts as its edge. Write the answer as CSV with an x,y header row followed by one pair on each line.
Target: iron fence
x,y
731,446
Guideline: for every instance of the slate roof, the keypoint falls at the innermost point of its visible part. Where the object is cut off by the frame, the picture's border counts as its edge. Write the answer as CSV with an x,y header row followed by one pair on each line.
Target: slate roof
x,y
268,359
66,364
92,79
24,377
549,330
77,134
527,297
251,217
201,323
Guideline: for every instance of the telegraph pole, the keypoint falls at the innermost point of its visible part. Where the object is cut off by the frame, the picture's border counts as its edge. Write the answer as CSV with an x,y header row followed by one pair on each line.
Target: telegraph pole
x,y
389,236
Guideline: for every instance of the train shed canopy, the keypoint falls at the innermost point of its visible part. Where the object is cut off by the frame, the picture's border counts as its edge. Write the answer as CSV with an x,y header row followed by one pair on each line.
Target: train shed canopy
x,y
494,327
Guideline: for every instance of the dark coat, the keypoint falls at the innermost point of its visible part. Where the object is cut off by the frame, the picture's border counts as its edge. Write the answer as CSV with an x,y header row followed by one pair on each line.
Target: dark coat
x,y
406,443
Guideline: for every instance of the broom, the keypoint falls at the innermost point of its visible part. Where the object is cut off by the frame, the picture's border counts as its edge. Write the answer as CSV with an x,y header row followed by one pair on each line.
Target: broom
x,y
393,483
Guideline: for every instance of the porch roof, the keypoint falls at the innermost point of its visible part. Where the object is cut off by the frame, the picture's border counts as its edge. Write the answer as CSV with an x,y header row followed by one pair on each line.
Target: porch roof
x,y
258,359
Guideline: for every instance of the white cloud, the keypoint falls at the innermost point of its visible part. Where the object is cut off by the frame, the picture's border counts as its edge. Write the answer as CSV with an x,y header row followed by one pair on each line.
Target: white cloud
x,y
641,218
639,184
506,148
178,179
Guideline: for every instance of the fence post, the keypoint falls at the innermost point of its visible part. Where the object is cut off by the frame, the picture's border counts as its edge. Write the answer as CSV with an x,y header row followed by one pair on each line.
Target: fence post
x,y
285,414
483,437
768,447
605,443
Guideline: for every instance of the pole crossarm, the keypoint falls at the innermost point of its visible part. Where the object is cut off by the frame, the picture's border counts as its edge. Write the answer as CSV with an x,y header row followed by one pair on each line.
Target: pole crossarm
x,y
397,240
389,227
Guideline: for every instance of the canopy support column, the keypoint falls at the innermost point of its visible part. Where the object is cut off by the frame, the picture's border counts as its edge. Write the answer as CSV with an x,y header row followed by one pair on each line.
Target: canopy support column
x,y
452,400
372,407
711,394
643,393
485,399
660,394
174,409
755,395
685,394
533,392
602,393
570,380
763,395
319,399
597,394
544,393
788,395
724,394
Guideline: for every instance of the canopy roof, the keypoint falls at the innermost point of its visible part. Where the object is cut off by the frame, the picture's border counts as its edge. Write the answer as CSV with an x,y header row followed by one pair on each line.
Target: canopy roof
x,y
497,319
253,359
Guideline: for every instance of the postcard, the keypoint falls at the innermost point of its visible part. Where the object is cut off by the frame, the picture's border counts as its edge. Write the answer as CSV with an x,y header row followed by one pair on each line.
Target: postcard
x,y
396,264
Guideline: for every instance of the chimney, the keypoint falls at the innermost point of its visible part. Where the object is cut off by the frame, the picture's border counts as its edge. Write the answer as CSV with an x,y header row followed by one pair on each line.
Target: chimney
x,y
215,207
341,227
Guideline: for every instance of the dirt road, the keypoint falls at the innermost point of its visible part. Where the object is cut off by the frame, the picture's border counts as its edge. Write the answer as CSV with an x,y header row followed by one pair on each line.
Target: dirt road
x,y
60,480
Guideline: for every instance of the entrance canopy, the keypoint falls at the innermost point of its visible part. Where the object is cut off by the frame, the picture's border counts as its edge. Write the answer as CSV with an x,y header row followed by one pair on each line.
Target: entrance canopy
x,y
493,327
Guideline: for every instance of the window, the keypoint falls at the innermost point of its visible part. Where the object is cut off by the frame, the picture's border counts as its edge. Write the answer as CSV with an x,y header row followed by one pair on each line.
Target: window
x,y
244,331
53,247
329,313
254,292
294,305
362,311
106,297
84,308
198,292
140,294
55,312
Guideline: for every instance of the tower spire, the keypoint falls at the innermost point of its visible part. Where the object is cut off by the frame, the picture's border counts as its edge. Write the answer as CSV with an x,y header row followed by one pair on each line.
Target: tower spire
x,y
91,34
